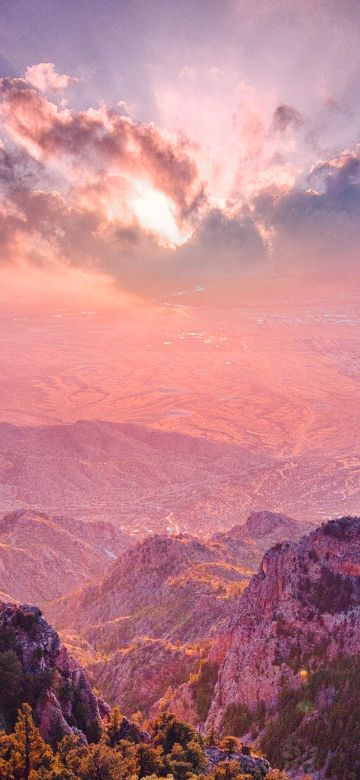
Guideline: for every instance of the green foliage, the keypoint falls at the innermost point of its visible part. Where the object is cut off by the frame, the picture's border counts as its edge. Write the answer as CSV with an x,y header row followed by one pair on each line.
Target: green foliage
x,y
27,621
310,734
230,744
112,731
91,729
237,719
11,678
229,770
202,686
332,592
6,639
166,731
24,752
181,745
174,753
100,762
211,738
150,760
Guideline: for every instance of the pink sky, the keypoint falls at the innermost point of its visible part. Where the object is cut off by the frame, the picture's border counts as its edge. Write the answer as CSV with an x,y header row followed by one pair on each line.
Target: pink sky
x,y
239,162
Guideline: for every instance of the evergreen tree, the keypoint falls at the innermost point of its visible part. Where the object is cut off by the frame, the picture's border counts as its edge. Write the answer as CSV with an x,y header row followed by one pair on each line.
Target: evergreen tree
x,y
113,729
229,744
71,753
11,677
27,749
211,739
103,763
150,760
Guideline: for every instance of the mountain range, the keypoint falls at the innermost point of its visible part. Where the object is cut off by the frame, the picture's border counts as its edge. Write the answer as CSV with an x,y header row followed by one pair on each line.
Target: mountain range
x,y
273,657
43,557
147,480
158,608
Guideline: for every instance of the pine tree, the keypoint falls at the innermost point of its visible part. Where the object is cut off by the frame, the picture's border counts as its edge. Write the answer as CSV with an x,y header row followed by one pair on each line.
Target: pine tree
x,y
211,739
113,730
229,744
28,751
101,762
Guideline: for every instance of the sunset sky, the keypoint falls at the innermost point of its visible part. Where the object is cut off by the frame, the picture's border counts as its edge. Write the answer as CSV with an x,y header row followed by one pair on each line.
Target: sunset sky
x,y
147,148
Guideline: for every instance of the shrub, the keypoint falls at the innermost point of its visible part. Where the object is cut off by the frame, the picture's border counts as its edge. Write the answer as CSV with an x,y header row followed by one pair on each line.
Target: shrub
x,y
202,686
331,734
237,719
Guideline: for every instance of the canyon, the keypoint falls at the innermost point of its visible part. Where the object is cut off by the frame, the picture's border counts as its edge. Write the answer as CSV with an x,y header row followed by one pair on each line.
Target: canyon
x,y
269,653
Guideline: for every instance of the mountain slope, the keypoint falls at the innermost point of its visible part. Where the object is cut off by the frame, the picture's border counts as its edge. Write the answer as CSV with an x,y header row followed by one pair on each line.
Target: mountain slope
x,y
135,476
303,607
37,668
250,541
42,557
152,481
159,607
151,616
287,659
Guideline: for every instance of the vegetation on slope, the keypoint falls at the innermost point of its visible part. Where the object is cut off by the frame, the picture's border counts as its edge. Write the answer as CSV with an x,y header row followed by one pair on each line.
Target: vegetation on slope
x,y
202,686
318,725
173,751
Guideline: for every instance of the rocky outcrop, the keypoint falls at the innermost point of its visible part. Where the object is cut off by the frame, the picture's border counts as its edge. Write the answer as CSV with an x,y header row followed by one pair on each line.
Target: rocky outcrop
x,y
299,611
152,615
62,700
163,587
153,663
249,764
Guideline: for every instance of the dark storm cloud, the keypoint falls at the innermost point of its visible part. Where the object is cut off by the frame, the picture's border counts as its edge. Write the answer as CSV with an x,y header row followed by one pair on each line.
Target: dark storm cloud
x,y
319,225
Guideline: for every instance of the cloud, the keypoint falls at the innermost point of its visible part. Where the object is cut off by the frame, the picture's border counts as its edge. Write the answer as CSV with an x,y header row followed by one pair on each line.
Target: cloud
x,y
44,77
90,143
96,190
286,117
318,226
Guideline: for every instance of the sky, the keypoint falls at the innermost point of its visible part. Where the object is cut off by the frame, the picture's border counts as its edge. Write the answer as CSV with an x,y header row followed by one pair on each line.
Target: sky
x,y
152,148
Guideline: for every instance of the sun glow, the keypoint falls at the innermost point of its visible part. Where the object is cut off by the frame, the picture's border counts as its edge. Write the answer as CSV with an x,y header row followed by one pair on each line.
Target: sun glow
x,y
155,212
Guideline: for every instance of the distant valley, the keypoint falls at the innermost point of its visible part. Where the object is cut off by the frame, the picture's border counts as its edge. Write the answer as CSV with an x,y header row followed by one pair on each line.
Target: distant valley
x,y
151,481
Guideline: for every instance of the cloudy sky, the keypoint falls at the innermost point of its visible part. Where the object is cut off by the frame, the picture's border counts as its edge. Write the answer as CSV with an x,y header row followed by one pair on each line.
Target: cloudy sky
x,y
157,145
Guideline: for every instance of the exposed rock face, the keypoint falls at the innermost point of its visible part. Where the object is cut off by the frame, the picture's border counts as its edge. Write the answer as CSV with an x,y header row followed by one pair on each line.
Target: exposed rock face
x,y
152,615
248,764
149,662
179,702
160,606
43,557
64,702
163,586
300,610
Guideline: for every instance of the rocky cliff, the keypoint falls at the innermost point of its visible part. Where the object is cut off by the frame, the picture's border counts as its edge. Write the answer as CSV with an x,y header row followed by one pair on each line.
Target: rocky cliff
x,y
299,611
161,603
284,667
36,667
150,616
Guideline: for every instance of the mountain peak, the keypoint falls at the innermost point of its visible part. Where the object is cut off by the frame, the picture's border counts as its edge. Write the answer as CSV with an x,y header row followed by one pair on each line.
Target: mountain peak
x,y
263,523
